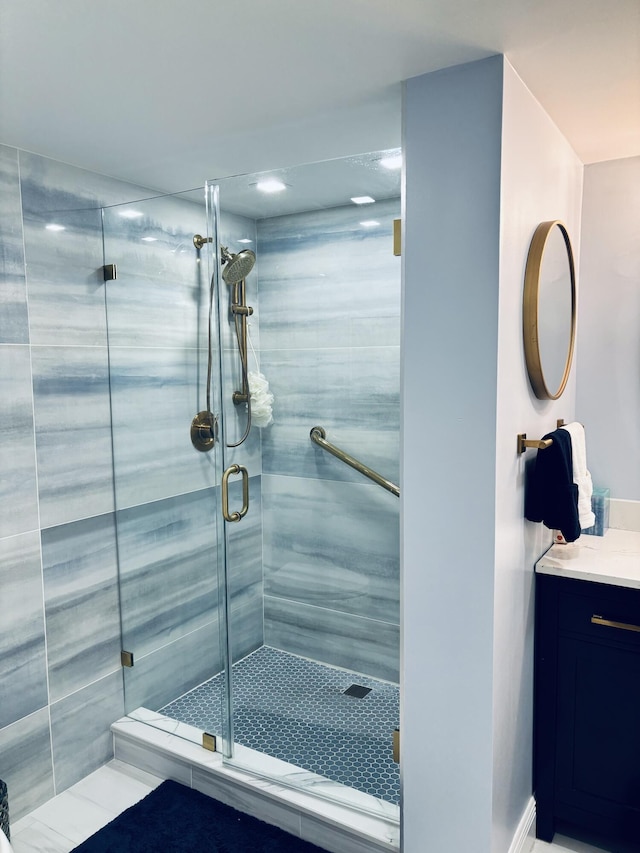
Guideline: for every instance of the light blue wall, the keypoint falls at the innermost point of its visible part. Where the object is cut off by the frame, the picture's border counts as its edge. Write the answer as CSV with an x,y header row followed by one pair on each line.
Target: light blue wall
x,y
608,394
484,165
452,146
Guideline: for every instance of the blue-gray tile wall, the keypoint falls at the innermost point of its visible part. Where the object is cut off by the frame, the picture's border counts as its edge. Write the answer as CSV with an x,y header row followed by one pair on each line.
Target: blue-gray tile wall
x,y
168,569
245,570
330,333
81,603
59,324
98,475
25,762
80,733
354,393
161,295
154,397
73,435
14,323
332,544
362,645
23,670
172,670
328,281
18,491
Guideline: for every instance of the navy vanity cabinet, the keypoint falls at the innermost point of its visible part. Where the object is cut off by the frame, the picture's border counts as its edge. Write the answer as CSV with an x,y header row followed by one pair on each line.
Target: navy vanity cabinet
x,y
587,710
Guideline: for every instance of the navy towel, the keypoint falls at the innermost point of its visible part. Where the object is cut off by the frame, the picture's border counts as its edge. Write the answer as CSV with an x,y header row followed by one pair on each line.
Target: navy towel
x,y
552,496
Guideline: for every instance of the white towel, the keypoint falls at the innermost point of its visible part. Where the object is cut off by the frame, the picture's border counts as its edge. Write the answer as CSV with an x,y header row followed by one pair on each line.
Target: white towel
x,y
581,476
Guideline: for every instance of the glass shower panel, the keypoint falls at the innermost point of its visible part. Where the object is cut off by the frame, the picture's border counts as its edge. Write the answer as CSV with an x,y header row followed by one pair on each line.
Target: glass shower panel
x,y
167,493
313,568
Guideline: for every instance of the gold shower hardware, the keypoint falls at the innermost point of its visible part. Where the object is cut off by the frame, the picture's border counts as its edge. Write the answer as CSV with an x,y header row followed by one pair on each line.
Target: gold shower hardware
x,y
204,431
235,516
318,436
539,444
199,241
397,237
209,741
624,626
126,658
241,311
396,746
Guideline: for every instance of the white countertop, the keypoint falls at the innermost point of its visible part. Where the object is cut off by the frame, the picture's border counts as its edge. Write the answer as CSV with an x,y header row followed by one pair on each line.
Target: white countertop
x,y
613,558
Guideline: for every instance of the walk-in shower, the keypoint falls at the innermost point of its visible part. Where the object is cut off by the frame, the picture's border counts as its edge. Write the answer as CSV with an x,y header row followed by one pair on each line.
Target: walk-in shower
x,y
274,640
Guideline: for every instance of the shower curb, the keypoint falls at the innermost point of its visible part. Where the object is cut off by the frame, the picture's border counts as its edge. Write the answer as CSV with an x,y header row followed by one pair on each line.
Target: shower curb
x,y
336,828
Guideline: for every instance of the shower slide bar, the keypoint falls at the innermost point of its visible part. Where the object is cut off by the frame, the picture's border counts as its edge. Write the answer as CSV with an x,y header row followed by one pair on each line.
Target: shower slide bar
x,y
318,436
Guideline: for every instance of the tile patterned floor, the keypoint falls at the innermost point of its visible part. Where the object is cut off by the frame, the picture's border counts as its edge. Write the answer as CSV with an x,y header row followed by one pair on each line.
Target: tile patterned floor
x,y
295,709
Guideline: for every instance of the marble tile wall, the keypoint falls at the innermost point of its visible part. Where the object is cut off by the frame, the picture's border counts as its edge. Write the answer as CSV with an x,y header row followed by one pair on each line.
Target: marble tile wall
x,y
77,355
330,347
80,501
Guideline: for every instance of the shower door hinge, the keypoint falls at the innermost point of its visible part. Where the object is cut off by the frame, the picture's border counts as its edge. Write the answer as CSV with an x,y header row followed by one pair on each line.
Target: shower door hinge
x,y
396,746
397,237
209,741
109,272
126,658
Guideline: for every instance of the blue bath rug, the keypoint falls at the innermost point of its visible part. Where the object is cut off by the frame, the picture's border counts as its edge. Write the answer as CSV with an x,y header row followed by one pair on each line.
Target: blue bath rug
x,y
177,819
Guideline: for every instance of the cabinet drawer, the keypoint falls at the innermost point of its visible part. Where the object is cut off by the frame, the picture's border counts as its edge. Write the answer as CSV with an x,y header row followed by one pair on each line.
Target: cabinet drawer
x,y
603,617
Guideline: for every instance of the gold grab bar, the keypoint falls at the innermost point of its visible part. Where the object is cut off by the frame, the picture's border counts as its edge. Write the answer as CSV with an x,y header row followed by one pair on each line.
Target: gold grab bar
x,y
625,626
235,516
318,436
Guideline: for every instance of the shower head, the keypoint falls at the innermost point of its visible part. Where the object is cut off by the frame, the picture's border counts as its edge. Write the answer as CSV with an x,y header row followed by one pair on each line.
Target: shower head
x,y
237,266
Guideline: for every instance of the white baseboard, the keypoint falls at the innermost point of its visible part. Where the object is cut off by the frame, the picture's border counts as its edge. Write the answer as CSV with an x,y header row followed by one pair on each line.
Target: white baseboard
x,y
524,839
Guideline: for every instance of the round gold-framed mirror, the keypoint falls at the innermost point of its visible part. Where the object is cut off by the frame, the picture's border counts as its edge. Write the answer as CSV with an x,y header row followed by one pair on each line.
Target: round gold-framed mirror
x,y
549,310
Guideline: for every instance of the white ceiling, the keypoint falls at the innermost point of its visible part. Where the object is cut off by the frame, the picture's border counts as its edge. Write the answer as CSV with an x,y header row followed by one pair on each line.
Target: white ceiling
x,y
166,93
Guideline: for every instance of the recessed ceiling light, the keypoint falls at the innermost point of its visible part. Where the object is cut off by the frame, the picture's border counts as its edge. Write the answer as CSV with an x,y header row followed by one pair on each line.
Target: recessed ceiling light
x,y
149,239
271,185
392,162
245,240
362,199
131,214
53,227
370,223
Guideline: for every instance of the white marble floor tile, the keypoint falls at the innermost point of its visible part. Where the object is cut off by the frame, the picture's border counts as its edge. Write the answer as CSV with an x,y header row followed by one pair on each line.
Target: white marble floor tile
x,y
112,790
72,816
39,838
68,819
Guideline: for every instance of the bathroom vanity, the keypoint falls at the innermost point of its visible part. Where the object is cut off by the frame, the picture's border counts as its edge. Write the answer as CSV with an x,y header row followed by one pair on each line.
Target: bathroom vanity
x,y
587,690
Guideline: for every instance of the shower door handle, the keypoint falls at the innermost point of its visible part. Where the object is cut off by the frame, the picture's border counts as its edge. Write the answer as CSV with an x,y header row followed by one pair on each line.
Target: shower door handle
x,y
235,516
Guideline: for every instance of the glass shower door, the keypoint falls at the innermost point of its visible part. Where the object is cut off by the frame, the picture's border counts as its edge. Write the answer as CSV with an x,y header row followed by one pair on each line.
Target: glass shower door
x,y
166,492
313,568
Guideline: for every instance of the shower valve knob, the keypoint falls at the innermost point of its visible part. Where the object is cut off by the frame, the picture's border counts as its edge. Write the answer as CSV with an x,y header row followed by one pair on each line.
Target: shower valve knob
x,y
204,431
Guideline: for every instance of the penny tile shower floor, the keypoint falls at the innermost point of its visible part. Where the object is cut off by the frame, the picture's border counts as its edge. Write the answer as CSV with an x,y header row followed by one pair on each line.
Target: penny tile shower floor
x,y
295,709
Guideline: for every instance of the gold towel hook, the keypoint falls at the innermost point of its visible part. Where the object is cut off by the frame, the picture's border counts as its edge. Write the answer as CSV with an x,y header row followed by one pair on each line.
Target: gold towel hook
x,y
539,444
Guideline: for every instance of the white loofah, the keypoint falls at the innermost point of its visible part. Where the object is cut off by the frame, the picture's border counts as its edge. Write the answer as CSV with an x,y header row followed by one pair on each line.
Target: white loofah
x,y
261,400
261,397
